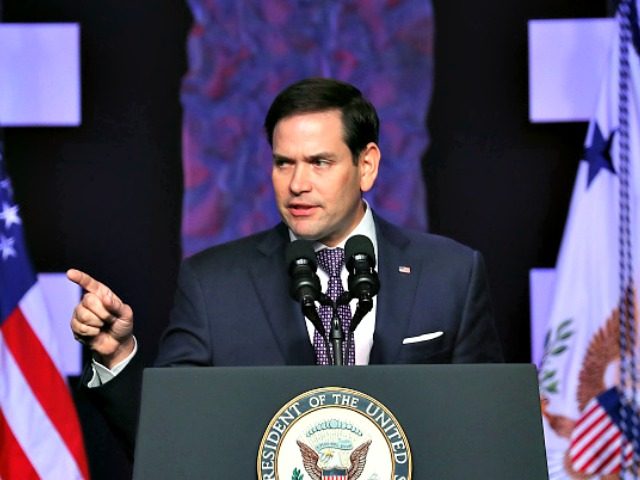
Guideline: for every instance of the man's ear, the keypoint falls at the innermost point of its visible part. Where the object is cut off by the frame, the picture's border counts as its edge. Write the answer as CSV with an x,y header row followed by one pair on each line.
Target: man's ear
x,y
368,162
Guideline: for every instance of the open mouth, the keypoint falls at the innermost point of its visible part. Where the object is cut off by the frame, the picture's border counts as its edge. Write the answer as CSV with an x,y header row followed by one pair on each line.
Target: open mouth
x,y
300,210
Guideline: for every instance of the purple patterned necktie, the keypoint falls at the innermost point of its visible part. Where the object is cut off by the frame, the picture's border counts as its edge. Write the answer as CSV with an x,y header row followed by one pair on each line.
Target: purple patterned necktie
x,y
331,261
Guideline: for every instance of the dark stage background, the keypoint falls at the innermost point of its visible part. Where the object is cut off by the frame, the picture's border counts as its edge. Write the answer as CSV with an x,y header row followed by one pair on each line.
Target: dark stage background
x,y
106,197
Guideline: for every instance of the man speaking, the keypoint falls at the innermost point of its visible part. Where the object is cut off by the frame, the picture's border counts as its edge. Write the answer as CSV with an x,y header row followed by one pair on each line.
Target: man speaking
x,y
235,303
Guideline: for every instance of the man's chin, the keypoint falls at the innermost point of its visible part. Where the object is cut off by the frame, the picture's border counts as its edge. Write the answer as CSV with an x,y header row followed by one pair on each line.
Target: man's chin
x,y
302,228
305,235
313,236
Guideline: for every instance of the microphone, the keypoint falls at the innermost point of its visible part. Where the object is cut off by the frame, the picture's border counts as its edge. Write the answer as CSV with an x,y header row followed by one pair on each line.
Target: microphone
x,y
363,280
305,284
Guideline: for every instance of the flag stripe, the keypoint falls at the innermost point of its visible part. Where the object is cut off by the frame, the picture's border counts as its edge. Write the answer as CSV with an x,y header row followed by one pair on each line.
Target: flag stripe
x,y
35,311
13,461
35,433
584,434
612,462
599,450
586,419
45,381
591,438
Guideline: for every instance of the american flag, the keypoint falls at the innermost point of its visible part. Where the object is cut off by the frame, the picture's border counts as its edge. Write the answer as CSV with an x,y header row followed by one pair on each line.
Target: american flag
x,y
40,435
597,441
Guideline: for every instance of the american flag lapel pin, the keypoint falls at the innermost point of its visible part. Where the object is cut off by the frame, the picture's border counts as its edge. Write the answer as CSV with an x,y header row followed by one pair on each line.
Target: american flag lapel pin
x,y
406,269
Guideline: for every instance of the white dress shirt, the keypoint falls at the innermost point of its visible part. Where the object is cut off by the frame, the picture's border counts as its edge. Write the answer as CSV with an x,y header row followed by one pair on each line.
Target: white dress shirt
x,y
363,336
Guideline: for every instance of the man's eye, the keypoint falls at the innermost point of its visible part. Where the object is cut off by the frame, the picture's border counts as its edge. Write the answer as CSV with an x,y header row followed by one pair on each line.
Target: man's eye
x,y
281,163
321,162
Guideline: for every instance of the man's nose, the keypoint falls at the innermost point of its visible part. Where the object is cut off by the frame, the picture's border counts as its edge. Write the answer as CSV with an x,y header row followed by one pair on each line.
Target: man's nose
x,y
300,180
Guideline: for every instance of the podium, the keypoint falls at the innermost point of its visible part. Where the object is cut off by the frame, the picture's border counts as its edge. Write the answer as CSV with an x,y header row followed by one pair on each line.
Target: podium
x,y
461,421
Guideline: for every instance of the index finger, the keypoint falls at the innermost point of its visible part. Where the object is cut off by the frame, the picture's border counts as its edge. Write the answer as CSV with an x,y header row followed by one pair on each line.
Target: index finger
x,y
86,281
91,285
109,299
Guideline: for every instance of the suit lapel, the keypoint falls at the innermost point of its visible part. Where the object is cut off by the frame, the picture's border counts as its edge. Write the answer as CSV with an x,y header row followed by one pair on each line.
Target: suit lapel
x,y
271,281
399,273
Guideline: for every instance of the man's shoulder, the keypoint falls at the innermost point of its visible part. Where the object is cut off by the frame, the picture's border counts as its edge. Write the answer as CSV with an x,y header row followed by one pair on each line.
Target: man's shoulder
x,y
422,243
447,259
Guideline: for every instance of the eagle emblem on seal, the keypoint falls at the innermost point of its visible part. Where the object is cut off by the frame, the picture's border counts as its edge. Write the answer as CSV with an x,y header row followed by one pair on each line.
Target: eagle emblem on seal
x,y
319,465
334,449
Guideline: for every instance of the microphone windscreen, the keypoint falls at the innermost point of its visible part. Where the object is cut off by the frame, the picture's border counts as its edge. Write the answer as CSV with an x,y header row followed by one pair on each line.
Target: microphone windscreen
x,y
358,245
301,249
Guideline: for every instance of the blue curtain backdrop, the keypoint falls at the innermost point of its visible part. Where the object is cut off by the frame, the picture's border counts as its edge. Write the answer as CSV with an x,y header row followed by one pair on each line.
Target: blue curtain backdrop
x,y
243,52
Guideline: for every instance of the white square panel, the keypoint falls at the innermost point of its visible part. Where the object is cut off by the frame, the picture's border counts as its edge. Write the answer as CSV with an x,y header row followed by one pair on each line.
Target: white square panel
x,y
40,74
567,60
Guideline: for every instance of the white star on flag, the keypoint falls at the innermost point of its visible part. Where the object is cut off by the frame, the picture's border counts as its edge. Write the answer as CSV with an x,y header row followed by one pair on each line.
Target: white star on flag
x,y
9,214
6,247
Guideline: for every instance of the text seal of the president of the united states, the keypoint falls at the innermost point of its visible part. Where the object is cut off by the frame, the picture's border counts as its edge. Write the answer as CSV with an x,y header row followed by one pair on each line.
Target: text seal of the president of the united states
x,y
334,433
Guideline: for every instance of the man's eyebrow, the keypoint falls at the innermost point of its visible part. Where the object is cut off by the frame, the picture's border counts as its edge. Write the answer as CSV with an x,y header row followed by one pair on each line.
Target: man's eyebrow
x,y
322,156
281,158
316,156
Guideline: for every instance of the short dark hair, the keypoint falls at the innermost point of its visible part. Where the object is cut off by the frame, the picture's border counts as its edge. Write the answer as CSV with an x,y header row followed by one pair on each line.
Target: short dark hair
x,y
359,118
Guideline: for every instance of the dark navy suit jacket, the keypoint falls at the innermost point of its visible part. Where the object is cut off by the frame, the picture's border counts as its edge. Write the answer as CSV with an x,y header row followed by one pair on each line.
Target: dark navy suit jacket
x,y
232,308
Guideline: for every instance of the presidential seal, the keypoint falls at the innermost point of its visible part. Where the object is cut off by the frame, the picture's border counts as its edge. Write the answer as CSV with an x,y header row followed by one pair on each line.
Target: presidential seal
x,y
334,433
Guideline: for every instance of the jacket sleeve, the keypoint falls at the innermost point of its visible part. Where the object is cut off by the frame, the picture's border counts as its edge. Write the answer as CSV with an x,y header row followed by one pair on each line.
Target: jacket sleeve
x,y
119,401
477,340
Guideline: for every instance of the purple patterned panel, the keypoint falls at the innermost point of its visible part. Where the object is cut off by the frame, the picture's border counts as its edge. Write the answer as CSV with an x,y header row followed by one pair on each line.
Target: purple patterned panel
x,y
243,52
